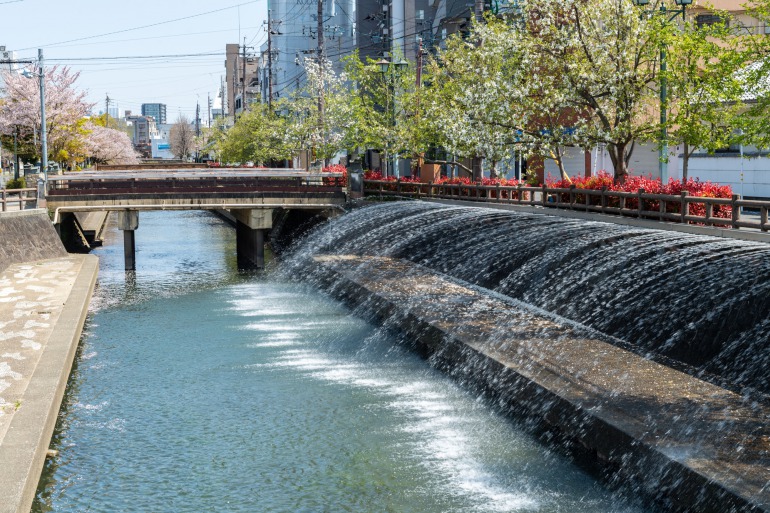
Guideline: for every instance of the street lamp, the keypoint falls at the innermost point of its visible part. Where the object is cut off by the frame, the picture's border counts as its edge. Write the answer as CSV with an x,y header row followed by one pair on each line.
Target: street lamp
x,y
663,164
43,131
392,69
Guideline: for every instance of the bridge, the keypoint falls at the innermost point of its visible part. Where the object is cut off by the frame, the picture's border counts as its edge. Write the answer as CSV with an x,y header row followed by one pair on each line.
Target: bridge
x,y
250,195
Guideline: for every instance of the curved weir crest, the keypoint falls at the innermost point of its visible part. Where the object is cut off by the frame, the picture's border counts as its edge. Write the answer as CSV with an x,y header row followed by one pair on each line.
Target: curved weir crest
x,y
645,349
698,302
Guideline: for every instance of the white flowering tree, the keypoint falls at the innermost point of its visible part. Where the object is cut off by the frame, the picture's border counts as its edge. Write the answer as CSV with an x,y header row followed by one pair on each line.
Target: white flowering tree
x,y
65,108
309,128
562,73
600,60
503,106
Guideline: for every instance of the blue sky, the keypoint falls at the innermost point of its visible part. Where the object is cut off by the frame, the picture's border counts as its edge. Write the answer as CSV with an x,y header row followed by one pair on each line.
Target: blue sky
x,y
124,49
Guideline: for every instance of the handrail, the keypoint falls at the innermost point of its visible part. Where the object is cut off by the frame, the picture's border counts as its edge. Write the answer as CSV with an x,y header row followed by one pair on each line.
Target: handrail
x,y
23,197
681,208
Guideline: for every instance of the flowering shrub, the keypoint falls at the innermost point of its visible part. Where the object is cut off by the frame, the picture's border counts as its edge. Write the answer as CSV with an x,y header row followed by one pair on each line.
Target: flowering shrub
x,y
464,180
651,186
337,181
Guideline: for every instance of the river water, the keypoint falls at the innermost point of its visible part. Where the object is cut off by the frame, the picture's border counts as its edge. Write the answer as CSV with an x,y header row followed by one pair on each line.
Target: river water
x,y
199,388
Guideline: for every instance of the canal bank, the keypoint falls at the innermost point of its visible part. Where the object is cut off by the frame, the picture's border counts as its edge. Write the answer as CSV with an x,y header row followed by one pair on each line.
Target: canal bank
x,y
44,299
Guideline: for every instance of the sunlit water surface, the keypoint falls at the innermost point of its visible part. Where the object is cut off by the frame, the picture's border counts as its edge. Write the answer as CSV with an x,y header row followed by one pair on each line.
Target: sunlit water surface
x,y
201,389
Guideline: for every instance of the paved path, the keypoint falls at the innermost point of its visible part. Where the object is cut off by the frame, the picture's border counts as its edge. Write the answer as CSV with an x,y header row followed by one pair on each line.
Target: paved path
x,y
43,305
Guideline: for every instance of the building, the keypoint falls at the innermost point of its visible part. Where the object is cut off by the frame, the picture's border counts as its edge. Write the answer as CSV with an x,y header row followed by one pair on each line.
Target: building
x,y
241,78
145,130
7,63
157,111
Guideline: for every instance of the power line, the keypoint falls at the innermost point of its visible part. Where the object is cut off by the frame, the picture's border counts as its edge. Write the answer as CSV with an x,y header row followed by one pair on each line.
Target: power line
x,y
184,34
141,27
124,57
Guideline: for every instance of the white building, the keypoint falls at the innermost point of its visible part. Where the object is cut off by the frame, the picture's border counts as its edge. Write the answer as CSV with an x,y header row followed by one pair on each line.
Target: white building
x,y
6,57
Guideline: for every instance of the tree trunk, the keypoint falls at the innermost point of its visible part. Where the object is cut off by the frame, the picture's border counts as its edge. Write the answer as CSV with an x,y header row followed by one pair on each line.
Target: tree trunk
x,y
478,172
619,162
493,170
685,162
557,157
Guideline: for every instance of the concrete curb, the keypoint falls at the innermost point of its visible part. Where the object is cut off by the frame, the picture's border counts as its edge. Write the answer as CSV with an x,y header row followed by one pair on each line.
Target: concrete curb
x,y
24,447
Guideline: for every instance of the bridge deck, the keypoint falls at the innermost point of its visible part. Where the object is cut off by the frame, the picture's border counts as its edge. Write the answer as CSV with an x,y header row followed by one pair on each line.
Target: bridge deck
x,y
195,189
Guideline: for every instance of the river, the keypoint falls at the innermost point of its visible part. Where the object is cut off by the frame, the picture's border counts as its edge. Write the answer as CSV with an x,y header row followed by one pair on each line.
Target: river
x,y
198,388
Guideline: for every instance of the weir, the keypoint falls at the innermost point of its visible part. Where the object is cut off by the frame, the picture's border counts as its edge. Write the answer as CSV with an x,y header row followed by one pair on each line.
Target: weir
x,y
646,347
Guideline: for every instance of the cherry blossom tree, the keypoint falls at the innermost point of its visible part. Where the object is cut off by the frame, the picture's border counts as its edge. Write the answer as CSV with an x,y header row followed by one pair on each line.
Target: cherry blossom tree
x,y
65,106
108,145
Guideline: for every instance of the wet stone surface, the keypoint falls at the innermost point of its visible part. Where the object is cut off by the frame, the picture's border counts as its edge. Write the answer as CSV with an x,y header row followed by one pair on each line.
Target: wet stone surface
x,y
692,443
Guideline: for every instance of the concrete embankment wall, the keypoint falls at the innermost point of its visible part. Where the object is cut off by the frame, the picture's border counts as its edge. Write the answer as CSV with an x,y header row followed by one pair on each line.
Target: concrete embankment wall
x,y
44,299
27,236
686,444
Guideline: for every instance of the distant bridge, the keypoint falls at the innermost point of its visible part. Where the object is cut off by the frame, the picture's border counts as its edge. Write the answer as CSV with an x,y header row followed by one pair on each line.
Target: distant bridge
x,y
251,195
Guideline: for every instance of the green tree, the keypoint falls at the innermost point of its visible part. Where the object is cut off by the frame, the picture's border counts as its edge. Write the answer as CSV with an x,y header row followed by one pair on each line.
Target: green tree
x,y
706,86
260,135
382,109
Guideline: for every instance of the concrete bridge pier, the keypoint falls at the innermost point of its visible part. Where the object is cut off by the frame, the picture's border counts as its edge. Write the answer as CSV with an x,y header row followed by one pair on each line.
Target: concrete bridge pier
x,y
128,222
251,230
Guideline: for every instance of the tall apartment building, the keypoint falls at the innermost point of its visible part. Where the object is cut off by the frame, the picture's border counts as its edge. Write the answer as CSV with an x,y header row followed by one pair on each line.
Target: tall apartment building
x,y
156,111
294,34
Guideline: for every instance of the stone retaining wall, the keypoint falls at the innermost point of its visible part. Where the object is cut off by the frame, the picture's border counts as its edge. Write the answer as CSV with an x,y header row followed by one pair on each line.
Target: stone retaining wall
x,y
27,236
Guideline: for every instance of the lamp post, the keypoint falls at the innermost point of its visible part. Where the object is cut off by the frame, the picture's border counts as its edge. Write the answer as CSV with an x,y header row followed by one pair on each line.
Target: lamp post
x,y
663,164
391,71
43,131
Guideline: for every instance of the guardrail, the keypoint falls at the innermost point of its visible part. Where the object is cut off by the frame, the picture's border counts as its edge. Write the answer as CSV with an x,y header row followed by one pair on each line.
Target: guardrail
x,y
682,208
19,197
191,182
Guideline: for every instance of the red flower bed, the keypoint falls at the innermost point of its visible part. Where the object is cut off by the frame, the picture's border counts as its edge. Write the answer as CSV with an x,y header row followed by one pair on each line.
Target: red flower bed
x,y
337,181
651,186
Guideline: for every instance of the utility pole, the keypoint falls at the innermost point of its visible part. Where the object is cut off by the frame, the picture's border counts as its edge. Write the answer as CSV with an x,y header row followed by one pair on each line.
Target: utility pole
x,y
197,118
418,81
243,79
269,58
197,127
321,64
208,118
107,111
43,128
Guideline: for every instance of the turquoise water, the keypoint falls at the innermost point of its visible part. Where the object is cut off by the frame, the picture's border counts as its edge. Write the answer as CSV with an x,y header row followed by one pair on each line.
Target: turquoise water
x,y
201,389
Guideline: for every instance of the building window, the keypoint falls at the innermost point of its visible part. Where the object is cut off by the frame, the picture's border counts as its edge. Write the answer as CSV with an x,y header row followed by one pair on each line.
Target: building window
x,y
704,20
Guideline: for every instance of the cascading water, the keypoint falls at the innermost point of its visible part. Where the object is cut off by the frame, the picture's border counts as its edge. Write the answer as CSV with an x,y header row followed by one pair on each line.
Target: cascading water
x,y
700,301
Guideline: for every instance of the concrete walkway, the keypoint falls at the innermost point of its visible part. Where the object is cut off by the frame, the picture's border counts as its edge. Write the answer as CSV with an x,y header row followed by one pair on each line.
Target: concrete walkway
x,y
43,305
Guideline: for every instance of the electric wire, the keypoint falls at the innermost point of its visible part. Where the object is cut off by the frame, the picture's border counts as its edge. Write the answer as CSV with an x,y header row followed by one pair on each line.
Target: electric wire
x,y
139,28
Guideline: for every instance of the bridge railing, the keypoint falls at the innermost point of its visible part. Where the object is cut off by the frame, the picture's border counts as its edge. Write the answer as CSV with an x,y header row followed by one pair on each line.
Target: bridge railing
x,y
682,208
20,198
193,182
